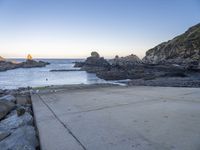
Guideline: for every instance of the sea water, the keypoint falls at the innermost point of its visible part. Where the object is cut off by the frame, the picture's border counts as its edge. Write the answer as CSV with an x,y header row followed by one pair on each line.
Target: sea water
x,y
36,77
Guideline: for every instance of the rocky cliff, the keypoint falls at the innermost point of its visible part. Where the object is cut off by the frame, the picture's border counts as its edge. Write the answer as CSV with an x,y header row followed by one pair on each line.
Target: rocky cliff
x,y
183,49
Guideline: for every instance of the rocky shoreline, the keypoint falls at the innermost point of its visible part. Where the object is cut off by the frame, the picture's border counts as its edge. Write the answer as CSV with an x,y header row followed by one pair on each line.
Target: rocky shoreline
x,y
177,58
17,128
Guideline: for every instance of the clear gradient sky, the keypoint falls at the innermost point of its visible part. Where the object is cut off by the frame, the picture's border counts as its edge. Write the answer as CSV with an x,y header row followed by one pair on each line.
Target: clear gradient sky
x,y
73,28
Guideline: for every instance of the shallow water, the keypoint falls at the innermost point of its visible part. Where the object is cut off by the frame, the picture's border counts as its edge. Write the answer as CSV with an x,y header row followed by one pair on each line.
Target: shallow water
x,y
35,77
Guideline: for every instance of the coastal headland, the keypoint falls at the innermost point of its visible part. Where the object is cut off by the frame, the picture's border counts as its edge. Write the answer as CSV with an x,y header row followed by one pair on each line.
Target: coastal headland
x,y
172,63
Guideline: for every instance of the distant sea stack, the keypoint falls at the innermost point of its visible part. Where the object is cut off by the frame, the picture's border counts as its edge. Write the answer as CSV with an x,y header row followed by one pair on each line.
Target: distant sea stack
x,y
2,59
183,49
29,63
29,57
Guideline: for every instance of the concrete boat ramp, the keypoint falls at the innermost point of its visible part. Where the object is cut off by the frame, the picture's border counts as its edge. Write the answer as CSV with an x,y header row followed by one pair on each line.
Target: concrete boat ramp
x,y
118,118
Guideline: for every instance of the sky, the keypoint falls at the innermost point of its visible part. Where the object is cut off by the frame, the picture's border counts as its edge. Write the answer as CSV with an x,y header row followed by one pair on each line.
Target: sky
x,y
74,28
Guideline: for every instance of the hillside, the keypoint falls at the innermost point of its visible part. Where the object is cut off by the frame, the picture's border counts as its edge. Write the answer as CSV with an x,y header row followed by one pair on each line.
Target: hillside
x,y
183,49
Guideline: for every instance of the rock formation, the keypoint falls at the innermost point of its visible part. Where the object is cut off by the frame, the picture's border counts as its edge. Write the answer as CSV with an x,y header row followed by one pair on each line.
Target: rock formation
x,y
183,49
125,61
17,130
29,57
129,67
179,57
95,63
29,63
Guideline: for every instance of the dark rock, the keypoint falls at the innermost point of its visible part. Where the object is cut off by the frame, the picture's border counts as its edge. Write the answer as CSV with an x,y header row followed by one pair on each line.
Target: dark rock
x,y
79,64
14,112
95,63
167,82
23,138
20,111
5,108
141,71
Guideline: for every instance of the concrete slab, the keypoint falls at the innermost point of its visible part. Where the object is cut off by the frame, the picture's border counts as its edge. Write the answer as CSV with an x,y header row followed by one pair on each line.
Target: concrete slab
x,y
116,118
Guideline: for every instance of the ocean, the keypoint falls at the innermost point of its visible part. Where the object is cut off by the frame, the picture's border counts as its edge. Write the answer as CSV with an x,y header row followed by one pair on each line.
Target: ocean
x,y
36,77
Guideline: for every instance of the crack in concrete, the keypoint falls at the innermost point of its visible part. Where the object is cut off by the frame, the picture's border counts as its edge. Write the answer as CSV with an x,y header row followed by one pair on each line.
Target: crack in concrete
x,y
65,126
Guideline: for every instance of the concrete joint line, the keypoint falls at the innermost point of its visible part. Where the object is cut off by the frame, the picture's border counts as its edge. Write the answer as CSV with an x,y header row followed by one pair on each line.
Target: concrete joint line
x,y
65,126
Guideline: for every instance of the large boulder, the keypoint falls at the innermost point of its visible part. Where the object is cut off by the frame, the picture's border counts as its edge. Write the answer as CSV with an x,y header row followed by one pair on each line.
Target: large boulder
x,y
183,50
16,121
95,63
23,138
9,98
5,108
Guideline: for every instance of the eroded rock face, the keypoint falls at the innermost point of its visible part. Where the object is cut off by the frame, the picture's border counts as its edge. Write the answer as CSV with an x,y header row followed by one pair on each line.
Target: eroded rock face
x,y
16,121
183,49
5,108
23,138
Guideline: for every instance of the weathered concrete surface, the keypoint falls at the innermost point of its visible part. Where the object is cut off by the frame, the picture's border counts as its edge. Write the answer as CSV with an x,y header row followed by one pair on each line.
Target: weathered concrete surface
x,y
119,118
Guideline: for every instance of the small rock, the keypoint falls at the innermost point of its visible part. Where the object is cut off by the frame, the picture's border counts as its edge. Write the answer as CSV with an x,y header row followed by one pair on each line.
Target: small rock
x,y
16,121
14,112
9,98
23,138
20,111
